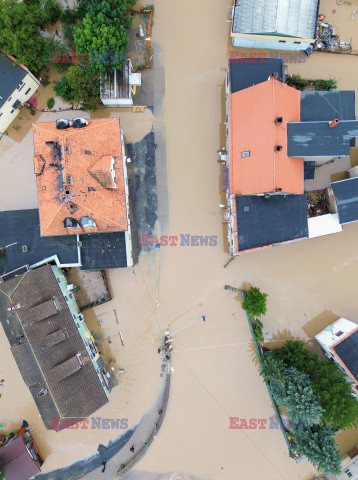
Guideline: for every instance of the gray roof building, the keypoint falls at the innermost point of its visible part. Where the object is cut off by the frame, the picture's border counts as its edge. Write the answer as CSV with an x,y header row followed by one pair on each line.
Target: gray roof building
x,y
266,221
20,230
346,194
54,354
319,106
294,18
259,71
10,76
318,139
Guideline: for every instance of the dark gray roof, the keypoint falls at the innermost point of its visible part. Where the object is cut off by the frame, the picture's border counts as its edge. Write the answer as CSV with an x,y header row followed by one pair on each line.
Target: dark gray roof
x,y
23,227
258,70
326,105
75,393
264,221
10,76
103,250
346,193
318,139
347,351
296,18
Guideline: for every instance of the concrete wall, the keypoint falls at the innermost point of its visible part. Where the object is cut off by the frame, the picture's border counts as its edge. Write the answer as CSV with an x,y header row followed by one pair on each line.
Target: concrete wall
x,y
8,113
269,44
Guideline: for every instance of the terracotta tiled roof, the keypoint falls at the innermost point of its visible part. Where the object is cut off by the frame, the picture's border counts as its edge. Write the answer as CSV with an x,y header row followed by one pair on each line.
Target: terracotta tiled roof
x,y
81,157
253,129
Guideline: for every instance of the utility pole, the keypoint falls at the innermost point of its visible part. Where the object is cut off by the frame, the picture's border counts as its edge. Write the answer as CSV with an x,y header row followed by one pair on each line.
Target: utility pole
x,y
170,336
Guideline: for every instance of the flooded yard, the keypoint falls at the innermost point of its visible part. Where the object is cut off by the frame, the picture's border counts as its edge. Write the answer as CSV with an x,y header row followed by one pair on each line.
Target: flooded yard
x,y
310,283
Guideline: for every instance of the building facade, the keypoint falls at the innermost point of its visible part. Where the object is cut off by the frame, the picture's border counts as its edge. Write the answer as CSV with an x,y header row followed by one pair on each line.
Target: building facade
x,y
16,87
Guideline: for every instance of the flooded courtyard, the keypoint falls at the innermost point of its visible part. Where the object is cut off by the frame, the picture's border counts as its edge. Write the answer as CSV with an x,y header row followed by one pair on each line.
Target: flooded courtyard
x,y
310,283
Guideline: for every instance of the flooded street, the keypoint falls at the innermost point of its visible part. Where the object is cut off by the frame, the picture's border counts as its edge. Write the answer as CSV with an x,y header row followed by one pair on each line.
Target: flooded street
x,y
215,375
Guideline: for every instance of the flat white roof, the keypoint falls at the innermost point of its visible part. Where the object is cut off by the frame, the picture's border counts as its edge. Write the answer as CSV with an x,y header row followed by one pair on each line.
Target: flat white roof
x,y
323,225
334,332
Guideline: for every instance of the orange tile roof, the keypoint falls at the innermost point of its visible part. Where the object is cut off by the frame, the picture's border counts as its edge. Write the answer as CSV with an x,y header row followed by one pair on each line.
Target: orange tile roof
x,y
93,193
252,128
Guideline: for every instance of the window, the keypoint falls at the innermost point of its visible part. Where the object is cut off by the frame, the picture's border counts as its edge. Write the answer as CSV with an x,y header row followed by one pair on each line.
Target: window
x,y
338,334
87,222
69,180
282,41
0,114
245,154
16,104
70,222
9,99
27,91
348,473
297,43
68,149
88,152
20,86
12,111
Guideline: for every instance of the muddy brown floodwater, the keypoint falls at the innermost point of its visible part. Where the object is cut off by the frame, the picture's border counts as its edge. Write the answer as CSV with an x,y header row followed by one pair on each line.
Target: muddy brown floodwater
x,y
215,370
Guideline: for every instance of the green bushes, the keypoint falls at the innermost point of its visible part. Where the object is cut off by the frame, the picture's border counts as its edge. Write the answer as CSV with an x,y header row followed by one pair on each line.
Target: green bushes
x,y
50,103
330,84
296,81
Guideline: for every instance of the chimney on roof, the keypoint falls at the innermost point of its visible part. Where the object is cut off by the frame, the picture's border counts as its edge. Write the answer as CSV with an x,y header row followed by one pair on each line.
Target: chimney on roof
x,y
274,75
334,122
278,148
279,120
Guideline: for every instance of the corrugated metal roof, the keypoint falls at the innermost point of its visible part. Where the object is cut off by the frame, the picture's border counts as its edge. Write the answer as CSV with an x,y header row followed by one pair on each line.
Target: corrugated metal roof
x,y
295,18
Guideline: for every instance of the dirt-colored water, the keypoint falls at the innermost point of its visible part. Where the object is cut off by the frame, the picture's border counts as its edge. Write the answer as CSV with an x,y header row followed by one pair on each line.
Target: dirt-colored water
x,y
216,374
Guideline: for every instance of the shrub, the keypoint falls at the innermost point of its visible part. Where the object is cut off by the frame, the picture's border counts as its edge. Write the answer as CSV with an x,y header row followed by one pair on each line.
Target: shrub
x,y
296,81
63,89
50,103
330,84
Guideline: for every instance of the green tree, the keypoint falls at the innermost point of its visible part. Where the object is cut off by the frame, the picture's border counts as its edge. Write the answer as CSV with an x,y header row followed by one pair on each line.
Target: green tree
x,y
51,46
272,368
63,89
328,383
49,11
318,444
255,302
19,34
103,33
296,394
84,86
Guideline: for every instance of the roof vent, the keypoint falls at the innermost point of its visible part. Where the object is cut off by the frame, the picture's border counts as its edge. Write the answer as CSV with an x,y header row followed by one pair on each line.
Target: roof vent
x,y
25,249
334,122
279,119
278,189
79,122
278,148
246,208
63,123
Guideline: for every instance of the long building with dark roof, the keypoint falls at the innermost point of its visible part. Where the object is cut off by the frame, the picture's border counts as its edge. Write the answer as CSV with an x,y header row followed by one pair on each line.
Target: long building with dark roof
x,y
52,346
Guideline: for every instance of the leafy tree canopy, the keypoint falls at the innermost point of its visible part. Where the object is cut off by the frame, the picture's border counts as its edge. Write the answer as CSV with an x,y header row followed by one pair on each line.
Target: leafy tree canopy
x,y
318,444
103,33
255,302
19,34
296,394
328,383
84,87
